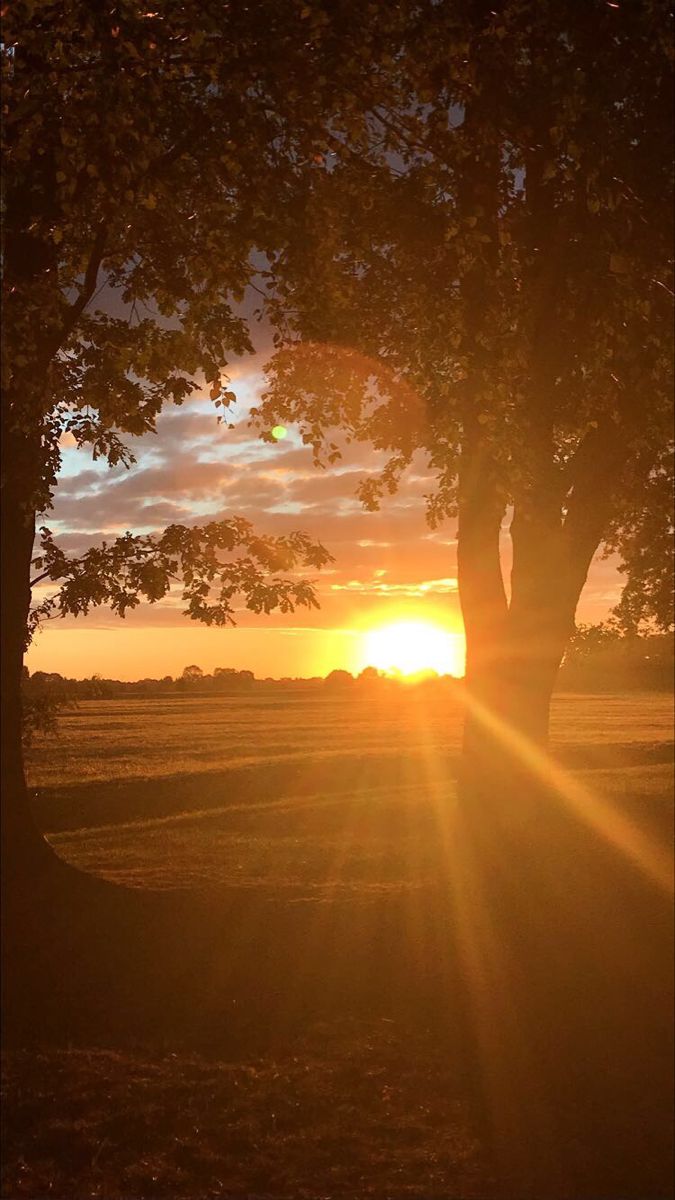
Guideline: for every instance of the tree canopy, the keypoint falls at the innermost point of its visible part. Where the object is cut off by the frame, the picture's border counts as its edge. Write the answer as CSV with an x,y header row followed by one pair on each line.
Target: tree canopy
x,y
489,279
150,157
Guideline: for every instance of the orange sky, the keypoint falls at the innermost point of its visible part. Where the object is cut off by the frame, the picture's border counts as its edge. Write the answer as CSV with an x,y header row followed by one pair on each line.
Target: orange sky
x,y
389,566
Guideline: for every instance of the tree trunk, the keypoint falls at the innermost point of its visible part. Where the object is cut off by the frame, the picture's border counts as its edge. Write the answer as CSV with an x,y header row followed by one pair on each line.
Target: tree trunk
x,y
514,649
25,853
503,775
561,943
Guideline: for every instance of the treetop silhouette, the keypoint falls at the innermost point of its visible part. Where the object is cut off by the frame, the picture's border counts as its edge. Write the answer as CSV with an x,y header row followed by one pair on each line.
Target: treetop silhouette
x,y
489,280
151,158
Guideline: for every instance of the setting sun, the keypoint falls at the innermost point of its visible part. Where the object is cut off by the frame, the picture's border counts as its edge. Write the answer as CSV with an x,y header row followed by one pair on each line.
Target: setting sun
x,y
411,646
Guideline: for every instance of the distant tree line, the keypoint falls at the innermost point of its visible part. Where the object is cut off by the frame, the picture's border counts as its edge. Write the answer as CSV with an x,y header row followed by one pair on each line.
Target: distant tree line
x,y
604,658
96,687
600,657
46,692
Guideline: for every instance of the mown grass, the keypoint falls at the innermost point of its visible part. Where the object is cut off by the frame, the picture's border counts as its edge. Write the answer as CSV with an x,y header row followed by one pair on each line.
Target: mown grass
x,y
142,739
323,827
307,794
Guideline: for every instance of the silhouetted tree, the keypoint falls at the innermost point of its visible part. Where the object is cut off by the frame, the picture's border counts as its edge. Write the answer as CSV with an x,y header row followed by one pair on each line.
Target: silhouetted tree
x,y
41,703
607,657
148,156
192,674
229,679
339,679
369,676
489,281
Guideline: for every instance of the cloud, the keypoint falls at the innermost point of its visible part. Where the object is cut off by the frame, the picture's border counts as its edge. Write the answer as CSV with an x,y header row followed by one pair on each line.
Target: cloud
x,y
378,586
195,470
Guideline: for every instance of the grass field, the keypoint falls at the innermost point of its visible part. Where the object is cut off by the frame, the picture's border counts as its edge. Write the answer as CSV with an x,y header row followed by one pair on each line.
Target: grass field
x,y
301,791
341,1113
298,1034
118,740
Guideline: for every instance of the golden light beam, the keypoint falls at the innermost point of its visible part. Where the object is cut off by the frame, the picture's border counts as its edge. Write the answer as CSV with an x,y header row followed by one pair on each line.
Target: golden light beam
x,y
617,829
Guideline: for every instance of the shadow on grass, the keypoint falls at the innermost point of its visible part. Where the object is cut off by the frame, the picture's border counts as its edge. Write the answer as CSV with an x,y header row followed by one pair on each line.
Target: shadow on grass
x,y
560,1039
350,1109
90,804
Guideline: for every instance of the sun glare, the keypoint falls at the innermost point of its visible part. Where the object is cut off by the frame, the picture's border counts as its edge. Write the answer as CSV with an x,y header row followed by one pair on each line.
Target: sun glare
x,y
408,647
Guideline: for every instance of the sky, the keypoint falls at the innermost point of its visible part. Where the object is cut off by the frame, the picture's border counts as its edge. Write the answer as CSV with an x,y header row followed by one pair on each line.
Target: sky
x,y
389,566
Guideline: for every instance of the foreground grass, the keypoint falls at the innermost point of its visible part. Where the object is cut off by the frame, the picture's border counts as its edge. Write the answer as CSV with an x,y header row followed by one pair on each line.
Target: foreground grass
x,y
388,831
351,1111
324,832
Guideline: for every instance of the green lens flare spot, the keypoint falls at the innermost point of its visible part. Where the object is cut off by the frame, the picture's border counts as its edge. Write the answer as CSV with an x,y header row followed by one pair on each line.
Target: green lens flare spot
x,y
279,432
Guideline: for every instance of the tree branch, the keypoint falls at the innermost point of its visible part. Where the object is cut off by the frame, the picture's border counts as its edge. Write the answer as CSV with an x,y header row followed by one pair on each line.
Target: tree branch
x,y
88,288
39,578
592,448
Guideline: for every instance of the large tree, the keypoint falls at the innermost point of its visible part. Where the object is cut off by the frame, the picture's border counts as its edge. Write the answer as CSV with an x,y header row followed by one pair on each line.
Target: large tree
x,y
149,158
487,278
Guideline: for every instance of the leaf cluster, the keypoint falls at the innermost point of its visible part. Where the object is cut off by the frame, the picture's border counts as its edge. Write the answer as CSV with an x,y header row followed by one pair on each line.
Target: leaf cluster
x,y
151,159
490,278
216,568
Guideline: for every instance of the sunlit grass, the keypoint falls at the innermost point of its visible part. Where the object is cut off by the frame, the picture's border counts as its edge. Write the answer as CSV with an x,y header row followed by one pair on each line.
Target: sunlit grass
x,y
142,739
317,797
329,824
581,801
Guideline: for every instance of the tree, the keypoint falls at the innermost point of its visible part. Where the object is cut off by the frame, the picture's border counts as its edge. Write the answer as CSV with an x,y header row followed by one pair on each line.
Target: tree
x,y
229,679
606,657
149,158
339,679
43,700
489,281
370,676
465,213
192,674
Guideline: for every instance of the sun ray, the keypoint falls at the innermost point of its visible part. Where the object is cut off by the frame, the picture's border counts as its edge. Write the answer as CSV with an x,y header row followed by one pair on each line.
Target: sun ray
x,y
616,829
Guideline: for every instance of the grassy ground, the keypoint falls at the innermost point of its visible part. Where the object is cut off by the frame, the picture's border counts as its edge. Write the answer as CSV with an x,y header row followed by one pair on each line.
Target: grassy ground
x,y
147,739
179,1052
352,1110
302,794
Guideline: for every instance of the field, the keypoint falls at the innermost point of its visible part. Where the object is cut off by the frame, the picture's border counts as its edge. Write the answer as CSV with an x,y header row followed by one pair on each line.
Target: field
x,y
342,1110
300,1034
303,792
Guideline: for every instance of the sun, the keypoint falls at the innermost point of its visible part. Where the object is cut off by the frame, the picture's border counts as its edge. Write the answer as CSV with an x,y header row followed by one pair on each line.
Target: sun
x,y
411,646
